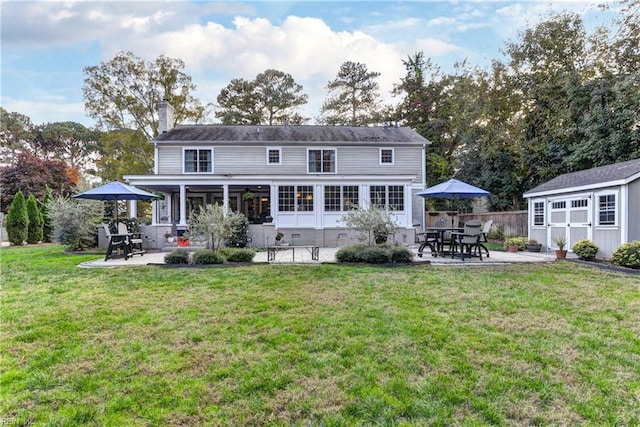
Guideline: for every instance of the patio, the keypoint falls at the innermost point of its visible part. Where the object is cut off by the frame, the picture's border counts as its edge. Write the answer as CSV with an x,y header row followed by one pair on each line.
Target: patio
x,y
328,255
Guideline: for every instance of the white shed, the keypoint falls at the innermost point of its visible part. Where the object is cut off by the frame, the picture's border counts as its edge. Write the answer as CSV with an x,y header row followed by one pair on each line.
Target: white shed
x,y
601,204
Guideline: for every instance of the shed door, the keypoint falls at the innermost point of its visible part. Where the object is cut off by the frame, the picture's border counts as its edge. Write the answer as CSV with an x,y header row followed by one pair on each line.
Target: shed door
x,y
571,218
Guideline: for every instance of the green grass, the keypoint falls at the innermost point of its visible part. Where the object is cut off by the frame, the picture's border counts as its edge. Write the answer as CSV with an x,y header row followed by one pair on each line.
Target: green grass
x,y
547,344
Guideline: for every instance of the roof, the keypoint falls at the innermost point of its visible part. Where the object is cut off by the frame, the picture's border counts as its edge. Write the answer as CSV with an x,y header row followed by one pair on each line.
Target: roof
x,y
291,134
615,174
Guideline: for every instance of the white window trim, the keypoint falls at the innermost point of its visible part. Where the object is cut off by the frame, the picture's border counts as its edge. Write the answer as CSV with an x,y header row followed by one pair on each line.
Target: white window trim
x,y
199,149
335,157
393,156
533,213
279,150
616,209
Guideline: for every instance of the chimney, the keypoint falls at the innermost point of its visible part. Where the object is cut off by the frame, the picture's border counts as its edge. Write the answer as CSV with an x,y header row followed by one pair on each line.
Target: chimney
x,y
165,116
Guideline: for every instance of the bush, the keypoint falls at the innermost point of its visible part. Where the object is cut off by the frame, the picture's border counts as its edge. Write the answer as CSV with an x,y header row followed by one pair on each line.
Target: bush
x,y
238,255
207,256
519,241
627,255
36,222
47,226
237,231
17,222
376,255
585,249
401,255
351,253
74,221
177,256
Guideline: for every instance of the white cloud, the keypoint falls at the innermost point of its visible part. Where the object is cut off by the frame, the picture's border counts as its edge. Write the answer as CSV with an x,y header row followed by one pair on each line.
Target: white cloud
x,y
48,110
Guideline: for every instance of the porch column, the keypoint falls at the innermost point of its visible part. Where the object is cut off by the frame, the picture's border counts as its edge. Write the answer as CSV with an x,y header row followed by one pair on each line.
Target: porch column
x,y
183,204
154,212
133,208
225,198
168,207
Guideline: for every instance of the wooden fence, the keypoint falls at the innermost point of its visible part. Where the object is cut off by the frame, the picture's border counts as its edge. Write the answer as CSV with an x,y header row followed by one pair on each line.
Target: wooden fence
x,y
514,222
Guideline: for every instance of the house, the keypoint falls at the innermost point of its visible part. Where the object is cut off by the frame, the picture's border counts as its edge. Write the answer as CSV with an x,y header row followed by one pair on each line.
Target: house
x,y
601,204
299,180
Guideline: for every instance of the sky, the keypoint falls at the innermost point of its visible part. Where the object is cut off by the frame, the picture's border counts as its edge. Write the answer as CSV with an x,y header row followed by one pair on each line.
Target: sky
x,y
45,45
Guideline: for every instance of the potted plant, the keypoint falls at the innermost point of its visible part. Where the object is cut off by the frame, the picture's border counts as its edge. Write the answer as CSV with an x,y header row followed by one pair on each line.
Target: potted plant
x,y
533,245
168,236
561,241
514,243
248,196
183,241
279,237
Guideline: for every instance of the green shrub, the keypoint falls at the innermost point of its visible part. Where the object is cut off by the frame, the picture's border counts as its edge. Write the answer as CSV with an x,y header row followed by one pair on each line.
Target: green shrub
x,y
36,222
74,221
350,253
496,232
177,256
237,231
401,254
519,241
585,249
47,226
238,254
376,255
627,255
207,256
17,222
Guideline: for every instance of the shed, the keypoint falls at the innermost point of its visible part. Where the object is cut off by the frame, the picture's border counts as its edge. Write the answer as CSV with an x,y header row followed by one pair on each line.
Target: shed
x,y
601,204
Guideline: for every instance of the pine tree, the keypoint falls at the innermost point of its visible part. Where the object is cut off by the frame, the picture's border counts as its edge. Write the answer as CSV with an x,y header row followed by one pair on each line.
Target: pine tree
x,y
34,232
47,227
18,220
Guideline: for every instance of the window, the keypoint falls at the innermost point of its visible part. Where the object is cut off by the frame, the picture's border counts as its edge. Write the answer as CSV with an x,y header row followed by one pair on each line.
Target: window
x,y
293,198
198,161
274,156
581,203
339,198
386,156
607,209
558,205
538,213
322,161
391,196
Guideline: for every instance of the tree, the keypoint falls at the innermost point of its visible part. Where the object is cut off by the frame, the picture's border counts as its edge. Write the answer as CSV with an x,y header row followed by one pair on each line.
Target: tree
x,y
70,142
373,224
47,227
124,92
17,222
74,221
353,97
124,152
32,175
271,98
16,133
210,222
34,234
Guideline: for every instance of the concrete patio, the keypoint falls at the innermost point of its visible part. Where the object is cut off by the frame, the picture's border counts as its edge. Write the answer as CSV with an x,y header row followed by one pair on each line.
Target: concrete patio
x,y
328,255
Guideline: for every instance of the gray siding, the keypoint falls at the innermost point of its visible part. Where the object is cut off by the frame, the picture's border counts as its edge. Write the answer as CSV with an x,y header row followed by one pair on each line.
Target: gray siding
x,y
251,160
634,210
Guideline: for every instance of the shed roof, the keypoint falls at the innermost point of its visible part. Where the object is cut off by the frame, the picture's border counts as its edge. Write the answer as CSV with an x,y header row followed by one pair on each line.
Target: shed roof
x,y
291,134
616,173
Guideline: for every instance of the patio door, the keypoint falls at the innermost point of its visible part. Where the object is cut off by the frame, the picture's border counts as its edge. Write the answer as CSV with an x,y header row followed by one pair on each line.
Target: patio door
x,y
571,218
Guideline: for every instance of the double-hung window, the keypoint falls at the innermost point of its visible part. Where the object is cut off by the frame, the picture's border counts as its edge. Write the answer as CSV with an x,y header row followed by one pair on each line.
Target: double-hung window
x,y
198,160
389,196
274,155
538,213
339,198
293,198
607,209
386,156
321,160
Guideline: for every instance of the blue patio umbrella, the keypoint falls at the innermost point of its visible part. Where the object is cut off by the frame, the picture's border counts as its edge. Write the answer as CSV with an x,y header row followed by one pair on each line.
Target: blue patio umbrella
x,y
115,191
453,189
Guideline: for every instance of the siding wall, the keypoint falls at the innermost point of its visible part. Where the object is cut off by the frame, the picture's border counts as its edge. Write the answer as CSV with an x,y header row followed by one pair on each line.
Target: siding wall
x,y
251,160
634,210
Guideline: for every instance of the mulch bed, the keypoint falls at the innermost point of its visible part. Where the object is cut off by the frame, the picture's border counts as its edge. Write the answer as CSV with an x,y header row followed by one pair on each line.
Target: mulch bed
x,y
605,265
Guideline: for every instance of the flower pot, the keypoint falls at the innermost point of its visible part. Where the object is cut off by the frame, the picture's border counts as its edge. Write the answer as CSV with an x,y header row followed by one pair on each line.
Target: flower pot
x,y
512,248
561,253
183,243
534,247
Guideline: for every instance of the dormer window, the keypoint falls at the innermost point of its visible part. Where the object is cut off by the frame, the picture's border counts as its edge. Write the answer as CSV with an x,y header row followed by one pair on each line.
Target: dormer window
x,y
198,160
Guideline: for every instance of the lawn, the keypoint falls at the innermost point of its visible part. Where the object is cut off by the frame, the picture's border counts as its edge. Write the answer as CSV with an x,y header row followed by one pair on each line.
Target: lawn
x,y
547,344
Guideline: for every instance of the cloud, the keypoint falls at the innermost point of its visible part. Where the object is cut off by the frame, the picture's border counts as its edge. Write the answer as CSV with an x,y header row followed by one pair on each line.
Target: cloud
x,y
48,110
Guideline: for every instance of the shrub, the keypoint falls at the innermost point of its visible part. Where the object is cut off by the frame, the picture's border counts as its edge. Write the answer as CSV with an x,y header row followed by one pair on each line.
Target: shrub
x,y
627,255
519,241
238,254
401,255
373,225
237,231
207,256
74,221
177,256
351,253
585,249
376,255
17,222
47,226
34,233
496,232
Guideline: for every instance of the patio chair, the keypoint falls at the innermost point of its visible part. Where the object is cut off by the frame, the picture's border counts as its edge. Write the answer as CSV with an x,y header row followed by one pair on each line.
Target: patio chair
x,y
468,240
486,227
427,239
444,238
117,242
134,240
